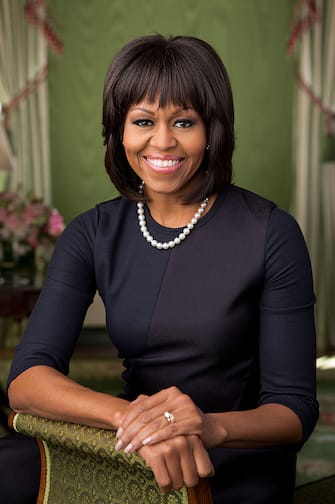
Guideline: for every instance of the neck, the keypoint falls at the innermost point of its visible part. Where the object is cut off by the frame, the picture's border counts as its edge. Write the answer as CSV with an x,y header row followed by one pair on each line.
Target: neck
x,y
169,209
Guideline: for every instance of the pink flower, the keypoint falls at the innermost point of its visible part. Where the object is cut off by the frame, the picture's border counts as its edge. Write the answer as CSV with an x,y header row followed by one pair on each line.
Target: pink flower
x,y
35,213
55,224
32,238
12,222
26,221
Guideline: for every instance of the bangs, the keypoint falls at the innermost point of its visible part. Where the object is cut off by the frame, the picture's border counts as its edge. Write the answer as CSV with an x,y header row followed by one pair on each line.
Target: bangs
x,y
160,75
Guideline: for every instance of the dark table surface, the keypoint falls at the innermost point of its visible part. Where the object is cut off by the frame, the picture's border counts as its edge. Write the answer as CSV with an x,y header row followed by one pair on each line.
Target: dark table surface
x,y
17,300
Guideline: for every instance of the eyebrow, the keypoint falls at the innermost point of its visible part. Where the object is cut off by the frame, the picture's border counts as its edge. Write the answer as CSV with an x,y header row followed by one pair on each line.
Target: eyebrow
x,y
150,112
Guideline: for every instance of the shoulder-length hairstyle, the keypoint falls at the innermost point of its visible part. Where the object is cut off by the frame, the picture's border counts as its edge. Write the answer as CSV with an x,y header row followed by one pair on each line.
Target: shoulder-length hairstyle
x,y
181,70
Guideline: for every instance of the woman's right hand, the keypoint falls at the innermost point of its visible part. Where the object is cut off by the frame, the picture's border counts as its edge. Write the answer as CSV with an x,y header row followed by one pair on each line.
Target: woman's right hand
x,y
179,461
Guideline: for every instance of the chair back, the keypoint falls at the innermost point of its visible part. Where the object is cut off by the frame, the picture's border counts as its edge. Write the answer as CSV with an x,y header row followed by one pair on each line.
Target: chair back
x,y
80,465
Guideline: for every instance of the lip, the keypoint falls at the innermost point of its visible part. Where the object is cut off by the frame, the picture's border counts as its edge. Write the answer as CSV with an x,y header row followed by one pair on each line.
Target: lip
x,y
164,164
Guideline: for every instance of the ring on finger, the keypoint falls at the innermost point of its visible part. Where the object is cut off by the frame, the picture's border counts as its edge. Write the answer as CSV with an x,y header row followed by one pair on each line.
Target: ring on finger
x,y
169,417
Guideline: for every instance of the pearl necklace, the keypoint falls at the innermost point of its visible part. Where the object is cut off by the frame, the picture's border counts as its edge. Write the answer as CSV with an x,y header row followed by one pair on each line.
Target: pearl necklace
x,y
178,239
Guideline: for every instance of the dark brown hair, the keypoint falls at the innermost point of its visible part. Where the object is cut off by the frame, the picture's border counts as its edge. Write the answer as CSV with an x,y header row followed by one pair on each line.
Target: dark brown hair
x,y
180,70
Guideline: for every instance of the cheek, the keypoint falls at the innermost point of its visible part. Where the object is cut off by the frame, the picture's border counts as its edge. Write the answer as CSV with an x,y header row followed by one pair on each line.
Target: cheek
x,y
197,149
197,145
132,142
131,157
132,148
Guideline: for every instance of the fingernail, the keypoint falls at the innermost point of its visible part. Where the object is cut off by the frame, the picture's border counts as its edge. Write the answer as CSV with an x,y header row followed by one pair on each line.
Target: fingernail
x,y
119,432
147,440
119,444
128,448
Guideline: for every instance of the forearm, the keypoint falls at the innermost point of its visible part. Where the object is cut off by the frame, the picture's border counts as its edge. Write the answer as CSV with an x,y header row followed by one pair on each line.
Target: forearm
x,y
43,391
267,425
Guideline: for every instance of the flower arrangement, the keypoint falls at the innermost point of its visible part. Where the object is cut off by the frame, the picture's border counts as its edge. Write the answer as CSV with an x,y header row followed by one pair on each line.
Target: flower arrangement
x,y
26,223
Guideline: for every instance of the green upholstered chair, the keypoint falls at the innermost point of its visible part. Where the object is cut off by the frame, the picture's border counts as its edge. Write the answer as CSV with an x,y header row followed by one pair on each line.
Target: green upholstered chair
x,y
80,466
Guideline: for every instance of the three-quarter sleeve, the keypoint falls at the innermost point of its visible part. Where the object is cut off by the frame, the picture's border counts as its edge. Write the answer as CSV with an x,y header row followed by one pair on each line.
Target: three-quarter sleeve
x,y
55,324
287,330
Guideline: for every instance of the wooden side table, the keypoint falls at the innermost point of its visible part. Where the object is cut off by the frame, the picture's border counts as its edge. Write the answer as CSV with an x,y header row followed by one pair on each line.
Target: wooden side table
x,y
16,303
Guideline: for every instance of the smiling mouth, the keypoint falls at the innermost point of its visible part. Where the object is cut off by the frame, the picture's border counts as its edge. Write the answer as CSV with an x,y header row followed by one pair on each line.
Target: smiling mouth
x,y
166,165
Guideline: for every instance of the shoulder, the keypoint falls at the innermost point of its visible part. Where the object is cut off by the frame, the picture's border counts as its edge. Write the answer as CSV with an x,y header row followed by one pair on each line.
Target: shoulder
x,y
256,204
286,245
80,235
246,214
280,224
90,220
93,215
284,231
246,206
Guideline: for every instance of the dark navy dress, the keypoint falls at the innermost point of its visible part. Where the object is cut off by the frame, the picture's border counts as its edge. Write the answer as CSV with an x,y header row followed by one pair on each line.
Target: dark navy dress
x,y
226,316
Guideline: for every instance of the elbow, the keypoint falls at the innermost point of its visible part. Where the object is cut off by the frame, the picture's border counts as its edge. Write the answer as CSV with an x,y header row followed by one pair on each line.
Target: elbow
x,y
17,396
13,398
28,391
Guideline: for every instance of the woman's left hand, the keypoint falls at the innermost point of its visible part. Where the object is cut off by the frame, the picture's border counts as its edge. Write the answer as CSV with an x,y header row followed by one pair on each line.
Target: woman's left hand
x,y
145,423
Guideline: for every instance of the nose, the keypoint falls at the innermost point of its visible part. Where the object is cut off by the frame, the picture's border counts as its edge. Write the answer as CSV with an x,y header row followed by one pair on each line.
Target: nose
x,y
163,138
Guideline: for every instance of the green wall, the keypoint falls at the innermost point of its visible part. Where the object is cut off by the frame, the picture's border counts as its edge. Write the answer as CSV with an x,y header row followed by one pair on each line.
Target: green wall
x,y
250,36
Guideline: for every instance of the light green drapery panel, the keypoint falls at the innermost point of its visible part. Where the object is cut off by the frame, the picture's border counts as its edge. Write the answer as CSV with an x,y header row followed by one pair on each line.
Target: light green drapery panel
x,y
24,94
314,131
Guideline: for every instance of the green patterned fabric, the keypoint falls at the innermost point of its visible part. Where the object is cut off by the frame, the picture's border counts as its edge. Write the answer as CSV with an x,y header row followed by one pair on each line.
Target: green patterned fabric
x,y
82,466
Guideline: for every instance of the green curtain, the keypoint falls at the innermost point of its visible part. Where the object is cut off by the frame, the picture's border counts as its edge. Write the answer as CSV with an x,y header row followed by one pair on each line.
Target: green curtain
x,y
24,98
314,158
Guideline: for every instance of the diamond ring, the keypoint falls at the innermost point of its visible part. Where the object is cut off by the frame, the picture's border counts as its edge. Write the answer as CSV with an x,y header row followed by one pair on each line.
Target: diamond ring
x,y
169,417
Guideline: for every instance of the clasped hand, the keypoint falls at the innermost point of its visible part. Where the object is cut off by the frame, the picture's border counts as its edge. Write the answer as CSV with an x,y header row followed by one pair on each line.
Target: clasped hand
x,y
176,451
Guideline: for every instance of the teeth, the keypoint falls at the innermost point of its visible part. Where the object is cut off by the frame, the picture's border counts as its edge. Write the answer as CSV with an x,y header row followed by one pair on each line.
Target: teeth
x,y
163,163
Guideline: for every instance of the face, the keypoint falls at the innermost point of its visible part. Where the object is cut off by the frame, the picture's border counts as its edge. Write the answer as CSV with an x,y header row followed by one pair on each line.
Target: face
x,y
165,147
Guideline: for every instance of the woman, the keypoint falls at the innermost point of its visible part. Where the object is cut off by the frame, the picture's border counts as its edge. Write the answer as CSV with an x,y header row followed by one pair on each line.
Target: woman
x,y
207,288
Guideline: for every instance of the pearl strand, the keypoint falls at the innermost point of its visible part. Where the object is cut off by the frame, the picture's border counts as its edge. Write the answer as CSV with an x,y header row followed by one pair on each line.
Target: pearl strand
x,y
172,243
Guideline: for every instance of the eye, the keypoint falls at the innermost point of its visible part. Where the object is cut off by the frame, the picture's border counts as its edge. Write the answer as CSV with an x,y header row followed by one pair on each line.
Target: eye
x,y
184,123
142,123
